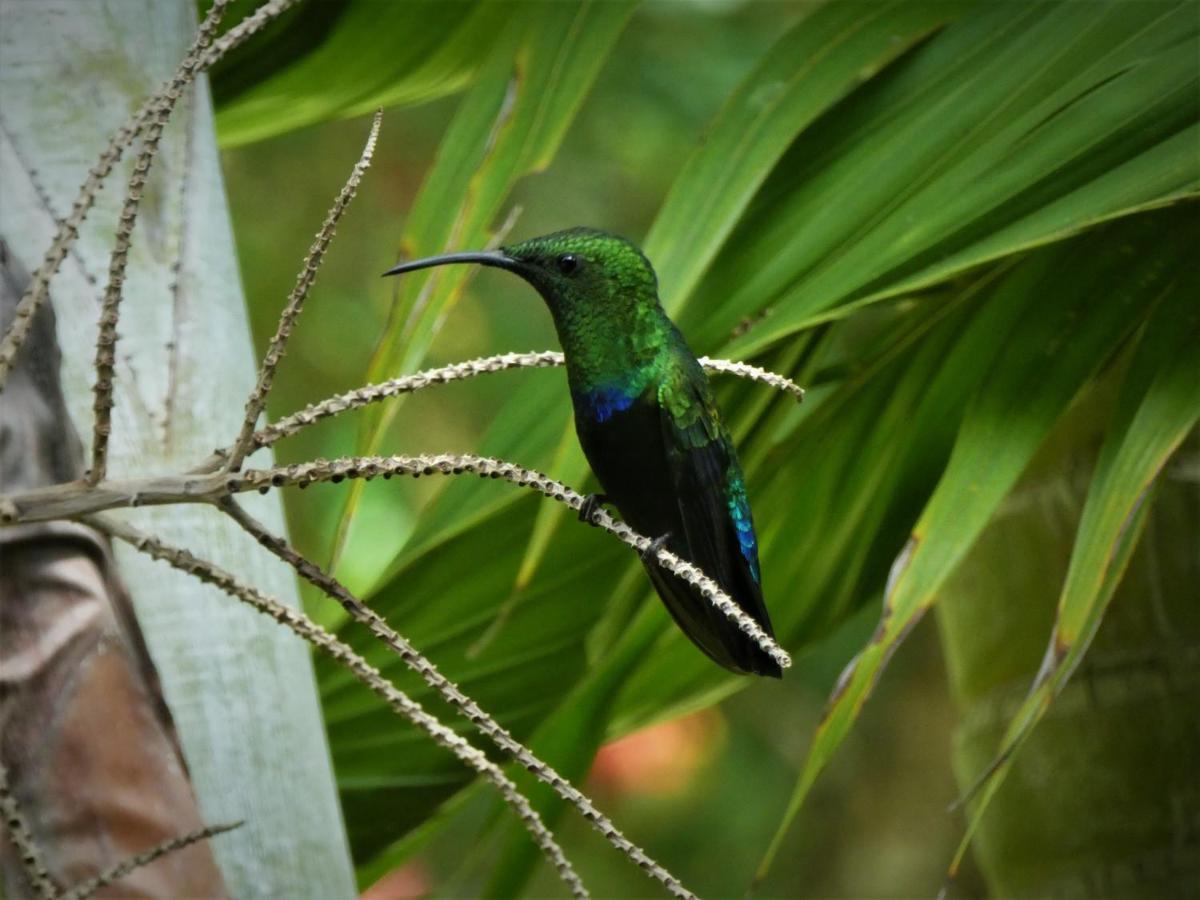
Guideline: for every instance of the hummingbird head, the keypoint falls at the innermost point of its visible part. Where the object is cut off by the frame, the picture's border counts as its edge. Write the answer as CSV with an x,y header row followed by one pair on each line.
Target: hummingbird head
x,y
573,270
584,265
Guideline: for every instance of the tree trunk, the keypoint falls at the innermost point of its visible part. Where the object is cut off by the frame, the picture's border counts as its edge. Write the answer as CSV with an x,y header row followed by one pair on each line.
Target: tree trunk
x,y
241,689
1102,799
74,667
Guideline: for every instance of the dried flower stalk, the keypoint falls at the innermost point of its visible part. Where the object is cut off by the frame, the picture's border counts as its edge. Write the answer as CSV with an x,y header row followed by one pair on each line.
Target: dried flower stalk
x,y
304,282
406,384
247,28
362,670
76,500
118,871
22,840
450,692
303,474
73,500
118,261
753,373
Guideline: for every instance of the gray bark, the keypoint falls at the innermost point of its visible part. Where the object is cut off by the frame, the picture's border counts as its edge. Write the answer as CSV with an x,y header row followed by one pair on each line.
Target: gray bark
x,y
241,689
88,745
1101,801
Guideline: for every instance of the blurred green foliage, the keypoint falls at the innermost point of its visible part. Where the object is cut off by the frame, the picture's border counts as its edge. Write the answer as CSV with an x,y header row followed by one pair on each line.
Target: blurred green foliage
x,y
852,194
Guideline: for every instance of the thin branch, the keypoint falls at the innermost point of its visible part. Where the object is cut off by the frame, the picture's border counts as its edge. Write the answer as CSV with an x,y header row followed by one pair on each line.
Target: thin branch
x,y
451,693
374,432
247,28
77,498
22,839
72,500
754,373
304,282
119,870
406,384
303,474
67,231
110,307
367,674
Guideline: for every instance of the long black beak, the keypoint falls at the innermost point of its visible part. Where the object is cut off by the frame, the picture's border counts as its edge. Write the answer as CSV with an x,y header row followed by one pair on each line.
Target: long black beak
x,y
484,258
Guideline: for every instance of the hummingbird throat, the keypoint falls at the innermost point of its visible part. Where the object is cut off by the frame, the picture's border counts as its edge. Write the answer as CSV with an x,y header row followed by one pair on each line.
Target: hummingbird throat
x,y
612,355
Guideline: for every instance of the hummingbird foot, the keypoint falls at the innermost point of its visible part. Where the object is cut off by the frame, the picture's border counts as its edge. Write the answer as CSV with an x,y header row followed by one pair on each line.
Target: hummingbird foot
x,y
591,505
649,554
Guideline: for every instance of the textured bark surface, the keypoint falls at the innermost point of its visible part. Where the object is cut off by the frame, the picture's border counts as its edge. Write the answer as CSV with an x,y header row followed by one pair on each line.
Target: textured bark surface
x,y
241,690
1103,799
90,748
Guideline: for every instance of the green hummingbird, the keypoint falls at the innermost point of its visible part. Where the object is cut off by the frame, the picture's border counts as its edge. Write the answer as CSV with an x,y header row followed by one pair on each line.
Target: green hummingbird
x,y
648,424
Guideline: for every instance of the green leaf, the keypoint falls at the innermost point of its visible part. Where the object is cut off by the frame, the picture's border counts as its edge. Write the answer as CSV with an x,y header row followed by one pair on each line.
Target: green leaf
x,y
833,496
867,229
670,676
568,740
1015,126
509,125
294,32
521,675
374,54
829,205
1055,338
814,65
1159,406
529,434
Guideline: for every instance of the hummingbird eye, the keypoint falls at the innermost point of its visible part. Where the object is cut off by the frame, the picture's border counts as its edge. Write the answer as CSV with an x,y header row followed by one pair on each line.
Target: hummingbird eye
x,y
568,263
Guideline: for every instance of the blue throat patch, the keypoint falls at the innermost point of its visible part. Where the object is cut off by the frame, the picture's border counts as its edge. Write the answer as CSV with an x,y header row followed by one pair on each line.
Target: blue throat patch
x,y
605,401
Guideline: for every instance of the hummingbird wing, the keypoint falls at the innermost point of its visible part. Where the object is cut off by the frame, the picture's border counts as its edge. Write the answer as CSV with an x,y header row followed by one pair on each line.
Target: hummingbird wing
x,y
718,530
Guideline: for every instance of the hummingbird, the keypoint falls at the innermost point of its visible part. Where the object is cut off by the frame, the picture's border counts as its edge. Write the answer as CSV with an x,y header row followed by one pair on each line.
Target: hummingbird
x,y
648,423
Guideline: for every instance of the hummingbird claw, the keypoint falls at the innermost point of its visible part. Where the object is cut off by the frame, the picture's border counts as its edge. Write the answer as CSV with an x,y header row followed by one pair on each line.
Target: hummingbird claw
x,y
657,544
591,505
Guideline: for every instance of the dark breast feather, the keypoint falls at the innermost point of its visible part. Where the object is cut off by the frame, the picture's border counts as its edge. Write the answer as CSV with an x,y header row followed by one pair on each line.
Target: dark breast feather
x,y
703,461
669,480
